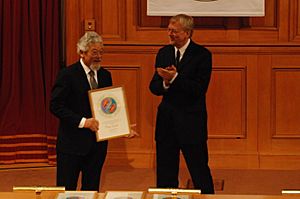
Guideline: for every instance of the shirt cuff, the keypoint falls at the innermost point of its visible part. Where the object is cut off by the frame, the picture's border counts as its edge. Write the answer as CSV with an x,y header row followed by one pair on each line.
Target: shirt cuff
x,y
82,122
172,80
165,86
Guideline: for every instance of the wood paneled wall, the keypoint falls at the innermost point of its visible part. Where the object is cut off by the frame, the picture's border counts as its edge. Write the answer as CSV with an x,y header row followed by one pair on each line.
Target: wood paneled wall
x,y
254,94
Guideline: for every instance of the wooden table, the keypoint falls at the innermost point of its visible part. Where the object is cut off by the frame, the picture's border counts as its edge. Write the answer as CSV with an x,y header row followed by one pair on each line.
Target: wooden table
x,y
53,195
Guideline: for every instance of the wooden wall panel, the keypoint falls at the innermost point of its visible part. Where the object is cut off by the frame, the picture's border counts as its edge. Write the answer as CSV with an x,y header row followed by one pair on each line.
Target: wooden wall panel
x,y
270,18
295,21
235,120
111,18
285,101
279,107
227,103
283,20
133,68
129,78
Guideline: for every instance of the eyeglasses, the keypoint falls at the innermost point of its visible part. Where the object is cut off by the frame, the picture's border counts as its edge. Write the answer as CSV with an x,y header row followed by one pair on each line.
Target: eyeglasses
x,y
96,53
174,31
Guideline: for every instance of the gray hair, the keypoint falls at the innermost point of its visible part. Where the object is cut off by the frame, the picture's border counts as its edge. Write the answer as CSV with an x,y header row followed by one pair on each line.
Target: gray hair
x,y
186,21
88,38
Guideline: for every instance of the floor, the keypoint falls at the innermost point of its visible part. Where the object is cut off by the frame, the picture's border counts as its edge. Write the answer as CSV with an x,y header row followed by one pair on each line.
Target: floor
x,y
227,181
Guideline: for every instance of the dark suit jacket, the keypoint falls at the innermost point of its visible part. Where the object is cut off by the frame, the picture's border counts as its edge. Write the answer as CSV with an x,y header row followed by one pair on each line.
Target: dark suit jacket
x,y
69,102
182,111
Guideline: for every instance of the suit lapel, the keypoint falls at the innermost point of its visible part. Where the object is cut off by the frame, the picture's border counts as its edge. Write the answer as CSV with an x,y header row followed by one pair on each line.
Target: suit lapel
x,y
186,56
82,78
170,53
99,75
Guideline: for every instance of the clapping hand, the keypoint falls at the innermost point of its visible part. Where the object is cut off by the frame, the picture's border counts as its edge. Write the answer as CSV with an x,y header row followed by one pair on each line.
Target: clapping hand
x,y
167,73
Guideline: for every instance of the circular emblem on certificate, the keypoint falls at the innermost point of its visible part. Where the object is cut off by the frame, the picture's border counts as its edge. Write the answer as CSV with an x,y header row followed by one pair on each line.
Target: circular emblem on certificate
x,y
108,105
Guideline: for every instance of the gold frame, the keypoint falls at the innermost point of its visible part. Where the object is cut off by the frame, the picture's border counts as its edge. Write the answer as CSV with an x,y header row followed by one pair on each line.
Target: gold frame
x,y
37,189
290,191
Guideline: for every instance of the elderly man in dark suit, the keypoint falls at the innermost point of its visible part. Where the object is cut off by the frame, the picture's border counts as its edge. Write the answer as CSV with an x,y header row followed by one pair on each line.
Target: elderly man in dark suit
x,y
182,75
77,149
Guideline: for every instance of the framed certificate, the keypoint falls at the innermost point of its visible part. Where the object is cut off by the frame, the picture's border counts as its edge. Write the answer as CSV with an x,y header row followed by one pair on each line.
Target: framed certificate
x,y
124,195
77,195
109,107
171,193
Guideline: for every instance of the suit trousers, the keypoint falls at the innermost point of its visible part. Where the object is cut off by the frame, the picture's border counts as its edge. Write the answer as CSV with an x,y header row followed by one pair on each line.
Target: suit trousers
x,y
196,157
90,165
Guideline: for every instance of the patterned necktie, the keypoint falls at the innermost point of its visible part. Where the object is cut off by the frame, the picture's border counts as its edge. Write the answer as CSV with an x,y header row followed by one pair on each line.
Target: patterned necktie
x,y
92,80
177,58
